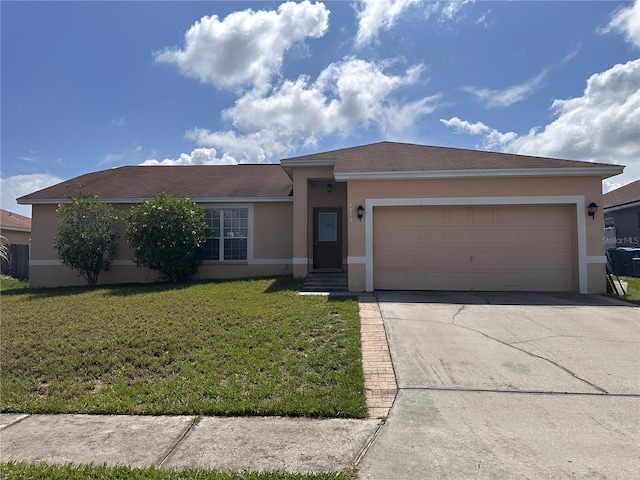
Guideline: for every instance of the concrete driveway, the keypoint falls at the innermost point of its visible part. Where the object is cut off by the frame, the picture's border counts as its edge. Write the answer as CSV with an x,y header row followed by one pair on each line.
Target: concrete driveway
x,y
510,385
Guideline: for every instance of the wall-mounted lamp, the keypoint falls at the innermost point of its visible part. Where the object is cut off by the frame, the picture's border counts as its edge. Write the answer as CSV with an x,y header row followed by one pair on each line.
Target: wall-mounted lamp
x,y
592,209
360,211
329,187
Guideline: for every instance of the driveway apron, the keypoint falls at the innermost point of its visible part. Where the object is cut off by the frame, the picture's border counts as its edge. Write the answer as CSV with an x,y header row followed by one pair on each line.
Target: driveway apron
x,y
510,385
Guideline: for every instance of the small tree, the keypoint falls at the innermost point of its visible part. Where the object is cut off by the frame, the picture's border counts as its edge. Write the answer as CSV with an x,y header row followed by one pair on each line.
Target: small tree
x,y
167,234
87,235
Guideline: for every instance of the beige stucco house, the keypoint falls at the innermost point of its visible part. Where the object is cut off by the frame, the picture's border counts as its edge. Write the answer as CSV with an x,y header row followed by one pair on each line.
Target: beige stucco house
x,y
391,215
15,228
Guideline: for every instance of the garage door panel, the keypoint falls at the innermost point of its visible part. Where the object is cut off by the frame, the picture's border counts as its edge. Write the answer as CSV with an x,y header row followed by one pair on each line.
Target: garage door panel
x,y
508,216
432,217
505,237
528,247
435,236
482,236
483,216
458,217
458,237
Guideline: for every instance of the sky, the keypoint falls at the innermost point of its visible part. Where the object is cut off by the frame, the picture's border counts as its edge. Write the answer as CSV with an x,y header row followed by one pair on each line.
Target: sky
x,y
88,85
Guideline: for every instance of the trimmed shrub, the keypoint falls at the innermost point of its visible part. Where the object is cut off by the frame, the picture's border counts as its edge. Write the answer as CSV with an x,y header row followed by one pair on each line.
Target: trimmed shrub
x,y
87,235
167,234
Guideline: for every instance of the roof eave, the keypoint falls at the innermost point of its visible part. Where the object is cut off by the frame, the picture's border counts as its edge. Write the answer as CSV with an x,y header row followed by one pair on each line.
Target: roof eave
x,y
602,172
623,206
15,229
289,165
55,201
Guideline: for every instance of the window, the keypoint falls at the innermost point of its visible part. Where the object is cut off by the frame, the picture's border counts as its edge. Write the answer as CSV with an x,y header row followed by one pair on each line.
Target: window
x,y
608,222
229,234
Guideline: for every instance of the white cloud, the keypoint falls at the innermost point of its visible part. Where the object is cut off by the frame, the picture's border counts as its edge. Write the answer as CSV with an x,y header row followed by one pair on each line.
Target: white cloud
x,y
246,47
376,15
199,156
604,123
135,151
493,138
608,185
627,22
300,112
452,8
601,125
19,185
508,96
483,20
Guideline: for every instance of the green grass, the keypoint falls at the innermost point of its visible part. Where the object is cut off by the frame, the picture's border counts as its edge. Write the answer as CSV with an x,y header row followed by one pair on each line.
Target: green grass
x,y
21,471
633,289
248,347
9,283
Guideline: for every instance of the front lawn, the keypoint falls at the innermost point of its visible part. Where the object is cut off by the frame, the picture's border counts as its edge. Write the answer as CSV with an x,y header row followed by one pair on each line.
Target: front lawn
x,y
633,289
247,347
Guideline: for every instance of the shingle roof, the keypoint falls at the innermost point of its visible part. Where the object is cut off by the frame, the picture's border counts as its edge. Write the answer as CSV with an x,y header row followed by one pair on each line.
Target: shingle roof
x,y
268,181
263,181
629,193
10,221
393,157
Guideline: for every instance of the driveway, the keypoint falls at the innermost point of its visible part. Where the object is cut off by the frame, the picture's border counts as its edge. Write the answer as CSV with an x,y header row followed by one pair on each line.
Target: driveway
x,y
510,385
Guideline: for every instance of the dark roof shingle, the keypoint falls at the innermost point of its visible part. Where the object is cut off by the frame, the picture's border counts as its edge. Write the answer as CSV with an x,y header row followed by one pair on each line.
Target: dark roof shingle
x,y
10,220
406,157
621,196
196,182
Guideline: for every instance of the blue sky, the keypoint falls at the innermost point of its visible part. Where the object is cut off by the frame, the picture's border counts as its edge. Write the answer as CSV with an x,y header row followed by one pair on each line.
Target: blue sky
x,y
94,85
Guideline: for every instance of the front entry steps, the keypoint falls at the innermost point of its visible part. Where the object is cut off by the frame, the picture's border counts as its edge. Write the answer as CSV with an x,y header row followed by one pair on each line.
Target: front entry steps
x,y
326,282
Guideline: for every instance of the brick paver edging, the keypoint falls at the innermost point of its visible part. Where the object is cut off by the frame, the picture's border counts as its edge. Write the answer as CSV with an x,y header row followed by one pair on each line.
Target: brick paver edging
x,y
379,377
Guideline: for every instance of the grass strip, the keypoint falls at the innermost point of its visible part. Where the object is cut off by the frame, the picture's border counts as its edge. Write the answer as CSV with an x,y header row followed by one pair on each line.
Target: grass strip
x,y
22,471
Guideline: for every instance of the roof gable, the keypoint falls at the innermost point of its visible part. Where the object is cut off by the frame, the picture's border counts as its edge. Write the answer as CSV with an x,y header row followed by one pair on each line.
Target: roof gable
x,y
405,160
200,183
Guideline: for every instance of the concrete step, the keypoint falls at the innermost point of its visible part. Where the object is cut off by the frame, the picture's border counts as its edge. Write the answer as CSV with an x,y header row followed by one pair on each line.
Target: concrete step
x,y
326,282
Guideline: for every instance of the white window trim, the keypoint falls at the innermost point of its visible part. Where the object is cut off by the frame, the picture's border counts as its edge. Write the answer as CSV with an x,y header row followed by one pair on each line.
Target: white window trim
x,y
229,206
577,200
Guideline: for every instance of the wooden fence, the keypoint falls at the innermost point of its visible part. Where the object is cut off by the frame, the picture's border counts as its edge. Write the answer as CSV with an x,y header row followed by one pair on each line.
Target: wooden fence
x,y
18,264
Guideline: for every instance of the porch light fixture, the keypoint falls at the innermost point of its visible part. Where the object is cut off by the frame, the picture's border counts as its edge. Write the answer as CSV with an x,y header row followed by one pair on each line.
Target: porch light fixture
x,y
329,187
592,209
360,211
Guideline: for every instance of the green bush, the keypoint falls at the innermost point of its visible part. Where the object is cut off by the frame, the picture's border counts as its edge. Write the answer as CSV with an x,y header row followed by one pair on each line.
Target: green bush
x,y
167,234
87,235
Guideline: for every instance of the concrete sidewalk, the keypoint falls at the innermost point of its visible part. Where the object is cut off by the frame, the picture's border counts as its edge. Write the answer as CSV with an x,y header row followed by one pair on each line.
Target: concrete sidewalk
x,y
222,443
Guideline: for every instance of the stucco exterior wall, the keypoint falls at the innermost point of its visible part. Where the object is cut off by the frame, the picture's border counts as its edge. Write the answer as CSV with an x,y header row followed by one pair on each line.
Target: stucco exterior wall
x,y
577,190
16,237
309,186
272,250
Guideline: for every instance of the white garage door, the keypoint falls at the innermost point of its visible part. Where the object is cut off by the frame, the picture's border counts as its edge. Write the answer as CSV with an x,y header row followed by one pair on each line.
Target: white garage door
x,y
521,248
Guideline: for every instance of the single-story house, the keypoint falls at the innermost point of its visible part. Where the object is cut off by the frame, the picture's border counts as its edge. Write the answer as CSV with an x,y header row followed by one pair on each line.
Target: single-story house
x,y
390,215
622,216
15,228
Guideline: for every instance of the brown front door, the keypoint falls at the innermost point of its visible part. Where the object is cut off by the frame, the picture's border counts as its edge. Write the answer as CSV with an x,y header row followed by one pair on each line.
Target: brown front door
x,y
327,238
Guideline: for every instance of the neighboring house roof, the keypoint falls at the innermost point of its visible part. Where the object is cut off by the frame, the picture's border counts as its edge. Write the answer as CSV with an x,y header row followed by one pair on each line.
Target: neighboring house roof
x,y
388,160
201,183
625,196
13,221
